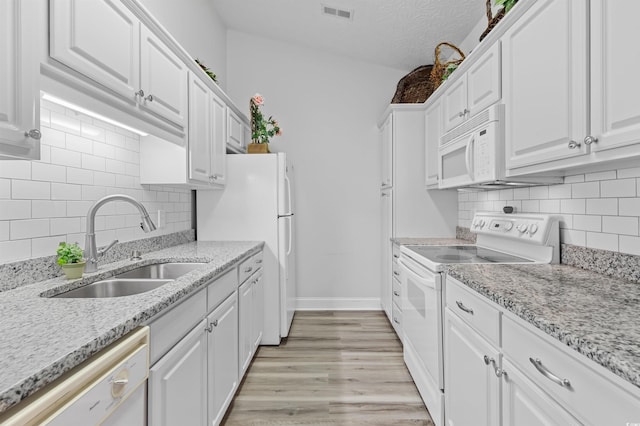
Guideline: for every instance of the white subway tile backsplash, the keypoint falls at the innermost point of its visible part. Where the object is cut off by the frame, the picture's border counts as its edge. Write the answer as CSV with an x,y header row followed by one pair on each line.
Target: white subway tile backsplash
x,y
45,118
572,236
15,250
15,209
92,132
52,137
82,118
104,179
46,246
539,192
124,155
65,157
66,225
604,206
611,174
65,191
48,172
116,222
560,191
79,176
45,154
93,193
531,206
30,190
104,150
585,190
78,208
602,241
46,208
506,194
66,124
620,225
575,206
629,206
574,179
5,188
29,228
587,223
629,173
93,162
116,166
15,169
4,230
630,245
618,188
552,206
79,144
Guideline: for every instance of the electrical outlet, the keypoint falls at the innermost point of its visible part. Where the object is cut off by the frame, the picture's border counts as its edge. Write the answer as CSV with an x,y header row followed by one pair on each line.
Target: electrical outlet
x,y
162,219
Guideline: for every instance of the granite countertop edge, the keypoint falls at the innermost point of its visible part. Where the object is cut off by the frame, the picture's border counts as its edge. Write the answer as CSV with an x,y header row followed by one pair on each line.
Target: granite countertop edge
x,y
219,256
517,303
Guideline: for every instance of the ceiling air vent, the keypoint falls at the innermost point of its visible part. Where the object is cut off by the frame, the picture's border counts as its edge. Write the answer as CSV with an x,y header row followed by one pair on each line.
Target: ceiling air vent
x,y
338,13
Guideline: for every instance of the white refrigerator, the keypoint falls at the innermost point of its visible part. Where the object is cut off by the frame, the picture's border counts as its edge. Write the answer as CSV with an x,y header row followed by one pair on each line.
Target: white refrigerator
x,y
257,204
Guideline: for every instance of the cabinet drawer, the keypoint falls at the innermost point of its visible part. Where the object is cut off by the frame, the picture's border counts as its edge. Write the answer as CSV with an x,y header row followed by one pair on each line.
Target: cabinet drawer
x,y
592,394
471,307
249,266
221,288
396,292
396,320
167,330
395,270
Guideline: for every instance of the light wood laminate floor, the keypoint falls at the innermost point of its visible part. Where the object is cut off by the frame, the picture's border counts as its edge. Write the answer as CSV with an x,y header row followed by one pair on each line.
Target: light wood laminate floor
x,y
336,368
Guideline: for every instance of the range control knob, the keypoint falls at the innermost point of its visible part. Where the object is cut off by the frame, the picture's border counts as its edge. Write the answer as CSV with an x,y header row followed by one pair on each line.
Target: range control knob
x,y
481,222
533,229
522,228
508,226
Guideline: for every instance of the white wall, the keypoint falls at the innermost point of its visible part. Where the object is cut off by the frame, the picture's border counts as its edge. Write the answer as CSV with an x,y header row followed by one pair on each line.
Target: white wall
x,y
328,107
82,159
196,25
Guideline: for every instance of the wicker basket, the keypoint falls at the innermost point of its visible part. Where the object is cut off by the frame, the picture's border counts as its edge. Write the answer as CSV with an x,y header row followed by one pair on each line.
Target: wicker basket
x,y
415,87
492,20
439,67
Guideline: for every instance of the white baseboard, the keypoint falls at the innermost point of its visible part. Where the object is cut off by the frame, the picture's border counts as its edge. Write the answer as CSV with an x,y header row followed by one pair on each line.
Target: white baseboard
x,y
338,304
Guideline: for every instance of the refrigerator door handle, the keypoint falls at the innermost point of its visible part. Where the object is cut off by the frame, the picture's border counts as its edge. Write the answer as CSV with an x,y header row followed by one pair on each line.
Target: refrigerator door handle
x,y
288,183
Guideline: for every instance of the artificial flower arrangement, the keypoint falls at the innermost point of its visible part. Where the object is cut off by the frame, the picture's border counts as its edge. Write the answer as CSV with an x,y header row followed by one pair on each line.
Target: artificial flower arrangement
x,y
261,129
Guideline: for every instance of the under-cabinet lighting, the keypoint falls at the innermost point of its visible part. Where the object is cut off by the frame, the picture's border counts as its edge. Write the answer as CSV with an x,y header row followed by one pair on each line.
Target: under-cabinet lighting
x,y
66,104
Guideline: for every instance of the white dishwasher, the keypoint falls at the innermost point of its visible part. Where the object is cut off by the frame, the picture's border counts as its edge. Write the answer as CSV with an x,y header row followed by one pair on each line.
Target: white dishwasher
x,y
107,389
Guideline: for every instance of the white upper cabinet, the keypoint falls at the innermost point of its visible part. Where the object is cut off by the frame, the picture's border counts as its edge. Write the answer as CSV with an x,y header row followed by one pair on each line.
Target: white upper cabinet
x,y
200,131
477,89
545,82
433,131
19,81
163,80
235,129
99,39
219,146
615,87
386,135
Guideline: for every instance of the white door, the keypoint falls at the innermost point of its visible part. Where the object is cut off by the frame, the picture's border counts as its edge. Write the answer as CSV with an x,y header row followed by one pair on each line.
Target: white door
x,y
163,80
223,358
454,104
287,244
484,81
545,83
615,109
199,130
472,395
219,145
19,77
524,404
433,131
245,324
178,382
100,39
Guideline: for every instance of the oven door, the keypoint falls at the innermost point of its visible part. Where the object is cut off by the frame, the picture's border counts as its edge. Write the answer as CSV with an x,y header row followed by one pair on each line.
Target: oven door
x,y
422,328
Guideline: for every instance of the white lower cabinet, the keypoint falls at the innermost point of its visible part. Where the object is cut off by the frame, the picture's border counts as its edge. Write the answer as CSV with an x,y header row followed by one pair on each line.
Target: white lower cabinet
x,y
178,382
251,295
472,391
222,357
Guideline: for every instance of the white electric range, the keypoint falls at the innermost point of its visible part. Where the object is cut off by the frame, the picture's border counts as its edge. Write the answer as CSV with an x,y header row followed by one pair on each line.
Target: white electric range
x,y
501,238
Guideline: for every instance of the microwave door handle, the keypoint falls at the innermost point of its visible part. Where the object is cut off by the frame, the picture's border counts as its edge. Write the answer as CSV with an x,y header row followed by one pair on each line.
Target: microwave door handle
x,y
467,157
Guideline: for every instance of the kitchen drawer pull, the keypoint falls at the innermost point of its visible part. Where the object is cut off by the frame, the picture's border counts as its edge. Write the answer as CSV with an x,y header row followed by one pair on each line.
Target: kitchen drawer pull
x,y
33,134
464,308
258,260
395,293
565,383
396,320
396,273
149,98
496,370
248,269
574,145
395,256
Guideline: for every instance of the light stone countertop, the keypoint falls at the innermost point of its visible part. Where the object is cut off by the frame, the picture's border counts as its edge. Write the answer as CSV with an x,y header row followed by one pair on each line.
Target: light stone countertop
x,y
42,337
594,314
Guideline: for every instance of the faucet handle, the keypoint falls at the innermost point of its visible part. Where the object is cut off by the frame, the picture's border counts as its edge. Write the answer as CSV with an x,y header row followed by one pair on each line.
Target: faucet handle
x,y
136,255
107,248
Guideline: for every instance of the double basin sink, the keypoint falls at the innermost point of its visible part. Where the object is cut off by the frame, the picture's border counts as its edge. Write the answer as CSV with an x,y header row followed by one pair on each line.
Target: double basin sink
x,y
136,281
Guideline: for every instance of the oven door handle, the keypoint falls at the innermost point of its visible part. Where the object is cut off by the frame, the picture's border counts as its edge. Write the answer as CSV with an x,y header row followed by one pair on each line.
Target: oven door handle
x,y
468,160
431,282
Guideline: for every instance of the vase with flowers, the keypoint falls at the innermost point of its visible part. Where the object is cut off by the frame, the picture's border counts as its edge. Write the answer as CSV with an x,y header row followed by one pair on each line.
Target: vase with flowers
x,y
261,129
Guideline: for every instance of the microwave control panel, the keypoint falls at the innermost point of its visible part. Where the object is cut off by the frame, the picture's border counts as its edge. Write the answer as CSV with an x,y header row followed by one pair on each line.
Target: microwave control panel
x,y
484,154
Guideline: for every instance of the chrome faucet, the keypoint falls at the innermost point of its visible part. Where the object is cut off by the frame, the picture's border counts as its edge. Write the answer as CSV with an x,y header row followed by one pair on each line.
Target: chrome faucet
x,y
91,253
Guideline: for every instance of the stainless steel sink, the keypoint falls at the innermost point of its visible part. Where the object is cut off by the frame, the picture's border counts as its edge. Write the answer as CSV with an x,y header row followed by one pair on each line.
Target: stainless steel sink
x,y
169,271
114,288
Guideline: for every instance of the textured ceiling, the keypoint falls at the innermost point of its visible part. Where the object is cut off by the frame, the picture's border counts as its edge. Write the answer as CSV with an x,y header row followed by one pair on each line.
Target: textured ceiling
x,y
397,33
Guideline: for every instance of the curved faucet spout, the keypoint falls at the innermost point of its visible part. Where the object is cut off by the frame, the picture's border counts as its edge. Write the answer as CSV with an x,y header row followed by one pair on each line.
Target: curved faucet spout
x,y
91,253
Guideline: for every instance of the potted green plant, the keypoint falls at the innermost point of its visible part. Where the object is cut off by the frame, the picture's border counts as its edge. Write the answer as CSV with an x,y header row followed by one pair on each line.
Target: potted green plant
x,y
70,258
261,129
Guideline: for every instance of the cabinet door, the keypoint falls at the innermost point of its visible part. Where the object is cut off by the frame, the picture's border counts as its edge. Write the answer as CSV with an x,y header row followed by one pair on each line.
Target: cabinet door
x,y
245,323
258,310
178,382
386,139
544,84
615,109
223,358
163,80
19,76
472,394
219,145
433,131
234,130
454,104
100,39
484,81
524,404
199,130
385,236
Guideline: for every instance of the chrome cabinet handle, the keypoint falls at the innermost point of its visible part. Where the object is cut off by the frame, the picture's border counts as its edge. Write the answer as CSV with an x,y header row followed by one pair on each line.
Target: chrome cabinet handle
x,y
139,93
258,260
149,98
461,114
208,329
565,383
396,320
395,256
496,370
588,140
464,308
215,323
248,269
574,145
395,293
33,134
396,273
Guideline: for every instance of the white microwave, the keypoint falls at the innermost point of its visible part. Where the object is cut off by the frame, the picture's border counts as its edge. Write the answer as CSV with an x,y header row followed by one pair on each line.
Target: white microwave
x,y
472,155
